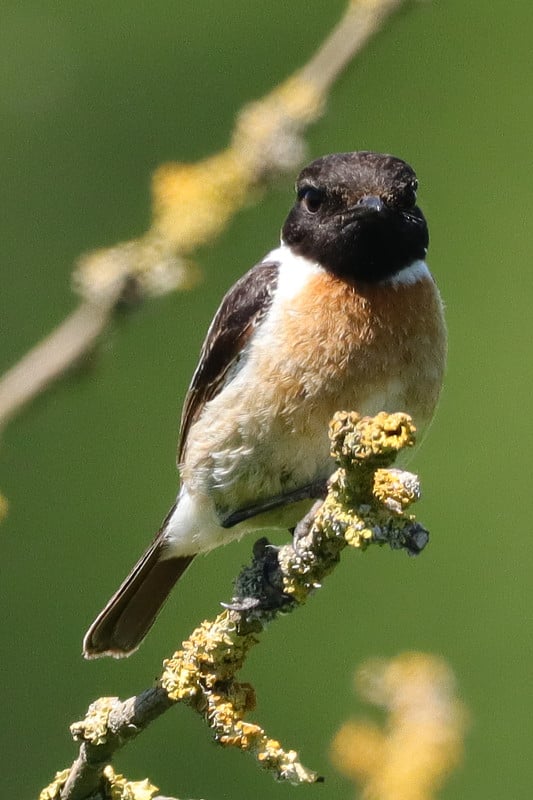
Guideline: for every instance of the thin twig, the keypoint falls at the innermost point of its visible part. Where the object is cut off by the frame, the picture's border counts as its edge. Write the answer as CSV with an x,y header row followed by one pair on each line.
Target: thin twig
x,y
52,357
362,20
124,721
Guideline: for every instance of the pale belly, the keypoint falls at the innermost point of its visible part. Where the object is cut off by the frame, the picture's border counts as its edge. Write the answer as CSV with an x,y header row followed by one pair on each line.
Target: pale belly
x,y
241,458
237,461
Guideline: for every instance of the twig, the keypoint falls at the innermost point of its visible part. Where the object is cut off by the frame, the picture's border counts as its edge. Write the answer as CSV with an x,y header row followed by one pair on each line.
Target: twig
x,y
123,722
52,357
366,504
192,204
363,19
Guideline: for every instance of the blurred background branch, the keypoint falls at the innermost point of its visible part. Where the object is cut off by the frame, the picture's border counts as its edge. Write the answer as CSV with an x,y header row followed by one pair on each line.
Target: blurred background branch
x,y
192,203
422,739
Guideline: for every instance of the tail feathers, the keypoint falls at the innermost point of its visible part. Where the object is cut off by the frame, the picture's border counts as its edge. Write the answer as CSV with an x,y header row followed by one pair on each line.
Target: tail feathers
x,y
128,616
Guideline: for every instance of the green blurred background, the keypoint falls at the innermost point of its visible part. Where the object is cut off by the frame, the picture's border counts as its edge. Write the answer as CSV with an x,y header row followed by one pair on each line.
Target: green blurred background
x,y
93,96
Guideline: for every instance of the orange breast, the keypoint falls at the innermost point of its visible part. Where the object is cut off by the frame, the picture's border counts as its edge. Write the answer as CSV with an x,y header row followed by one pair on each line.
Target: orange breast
x,y
347,344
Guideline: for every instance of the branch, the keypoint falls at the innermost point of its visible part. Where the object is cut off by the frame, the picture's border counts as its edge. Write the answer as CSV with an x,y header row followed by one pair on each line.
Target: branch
x,y
52,357
362,20
366,503
192,204
422,739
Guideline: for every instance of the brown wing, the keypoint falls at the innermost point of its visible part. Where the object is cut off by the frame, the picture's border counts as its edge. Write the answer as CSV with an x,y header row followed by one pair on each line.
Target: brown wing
x,y
240,312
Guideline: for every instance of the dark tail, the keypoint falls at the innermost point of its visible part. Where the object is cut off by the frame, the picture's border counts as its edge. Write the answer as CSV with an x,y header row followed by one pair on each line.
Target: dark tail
x,y
126,619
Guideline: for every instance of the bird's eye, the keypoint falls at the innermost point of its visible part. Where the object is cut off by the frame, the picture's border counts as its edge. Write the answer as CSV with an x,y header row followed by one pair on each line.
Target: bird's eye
x,y
311,198
408,197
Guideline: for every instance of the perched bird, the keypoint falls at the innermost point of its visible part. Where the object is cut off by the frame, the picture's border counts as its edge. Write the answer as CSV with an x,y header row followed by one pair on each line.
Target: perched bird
x,y
344,315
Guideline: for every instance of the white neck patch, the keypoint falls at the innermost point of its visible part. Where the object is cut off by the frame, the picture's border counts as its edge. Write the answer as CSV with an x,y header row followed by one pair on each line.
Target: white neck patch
x,y
415,272
294,271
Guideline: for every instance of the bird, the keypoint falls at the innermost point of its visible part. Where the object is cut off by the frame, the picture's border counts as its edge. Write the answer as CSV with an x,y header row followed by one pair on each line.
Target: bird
x,y
343,315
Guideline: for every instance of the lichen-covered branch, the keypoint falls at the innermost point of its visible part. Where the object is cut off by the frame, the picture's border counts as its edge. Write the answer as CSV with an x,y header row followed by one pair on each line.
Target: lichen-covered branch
x,y
367,503
192,204
111,785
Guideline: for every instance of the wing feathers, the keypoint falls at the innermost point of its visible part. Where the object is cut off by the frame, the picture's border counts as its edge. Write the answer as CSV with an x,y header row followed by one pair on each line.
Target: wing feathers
x,y
241,311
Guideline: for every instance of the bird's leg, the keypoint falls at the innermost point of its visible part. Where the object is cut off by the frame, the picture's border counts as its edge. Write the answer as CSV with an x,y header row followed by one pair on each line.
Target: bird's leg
x,y
310,492
259,587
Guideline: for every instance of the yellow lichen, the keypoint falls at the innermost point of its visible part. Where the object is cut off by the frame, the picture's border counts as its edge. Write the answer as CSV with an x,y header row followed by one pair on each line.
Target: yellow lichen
x,y
203,674
396,490
193,203
213,653
120,788
373,440
53,790
94,728
422,740
4,506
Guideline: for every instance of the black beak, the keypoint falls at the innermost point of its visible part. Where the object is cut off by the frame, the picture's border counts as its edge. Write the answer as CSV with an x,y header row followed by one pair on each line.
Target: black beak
x,y
372,203
367,206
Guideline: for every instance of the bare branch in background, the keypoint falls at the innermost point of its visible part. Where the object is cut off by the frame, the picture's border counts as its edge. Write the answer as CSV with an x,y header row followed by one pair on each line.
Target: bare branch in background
x,y
192,204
